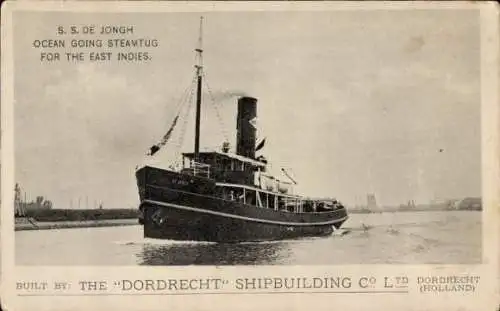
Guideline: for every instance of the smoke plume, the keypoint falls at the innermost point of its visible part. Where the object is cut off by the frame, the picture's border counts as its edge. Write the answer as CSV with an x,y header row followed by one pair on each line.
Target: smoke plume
x,y
221,96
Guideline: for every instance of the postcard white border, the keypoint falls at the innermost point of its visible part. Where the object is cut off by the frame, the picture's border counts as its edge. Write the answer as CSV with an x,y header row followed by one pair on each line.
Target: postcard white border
x,y
487,297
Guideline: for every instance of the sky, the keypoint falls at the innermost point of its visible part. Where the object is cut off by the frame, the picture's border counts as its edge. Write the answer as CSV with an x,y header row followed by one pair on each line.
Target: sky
x,y
350,102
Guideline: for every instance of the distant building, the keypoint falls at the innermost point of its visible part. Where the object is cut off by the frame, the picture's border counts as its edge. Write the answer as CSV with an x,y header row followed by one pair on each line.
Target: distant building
x,y
371,202
18,206
22,206
471,204
408,206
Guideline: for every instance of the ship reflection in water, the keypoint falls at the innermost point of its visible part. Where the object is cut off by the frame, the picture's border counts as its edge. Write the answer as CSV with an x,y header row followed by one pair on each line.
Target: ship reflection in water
x,y
215,254
451,237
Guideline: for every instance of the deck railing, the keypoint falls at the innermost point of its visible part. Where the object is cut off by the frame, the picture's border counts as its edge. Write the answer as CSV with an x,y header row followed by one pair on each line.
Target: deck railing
x,y
198,169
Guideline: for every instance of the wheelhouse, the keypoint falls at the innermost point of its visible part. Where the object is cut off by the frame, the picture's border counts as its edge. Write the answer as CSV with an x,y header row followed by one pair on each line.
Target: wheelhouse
x,y
223,167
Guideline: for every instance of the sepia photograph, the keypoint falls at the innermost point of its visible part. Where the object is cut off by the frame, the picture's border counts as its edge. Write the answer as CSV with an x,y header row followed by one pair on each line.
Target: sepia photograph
x,y
247,138
260,155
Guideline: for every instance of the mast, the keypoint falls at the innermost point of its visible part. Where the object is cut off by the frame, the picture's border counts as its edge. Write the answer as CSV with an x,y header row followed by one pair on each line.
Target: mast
x,y
199,74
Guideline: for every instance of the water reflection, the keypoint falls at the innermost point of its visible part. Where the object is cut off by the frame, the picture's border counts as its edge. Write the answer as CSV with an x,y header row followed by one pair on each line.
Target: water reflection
x,y
214,254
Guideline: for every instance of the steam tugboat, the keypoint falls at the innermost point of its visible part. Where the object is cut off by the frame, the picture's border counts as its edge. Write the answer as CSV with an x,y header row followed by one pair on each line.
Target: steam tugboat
x,y
221,196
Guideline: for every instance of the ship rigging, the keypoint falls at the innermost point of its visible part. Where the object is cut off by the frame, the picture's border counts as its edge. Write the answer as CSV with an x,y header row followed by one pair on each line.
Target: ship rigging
x,y
184,107
223,196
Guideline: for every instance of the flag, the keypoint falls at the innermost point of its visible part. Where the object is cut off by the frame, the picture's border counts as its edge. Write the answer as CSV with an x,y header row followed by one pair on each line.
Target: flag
x,y
166,137
260,145
153,150
262,159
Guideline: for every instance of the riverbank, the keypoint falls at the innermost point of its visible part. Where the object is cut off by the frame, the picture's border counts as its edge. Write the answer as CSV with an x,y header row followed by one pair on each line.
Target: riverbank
x,y
57,215
407,210
31,224
465,204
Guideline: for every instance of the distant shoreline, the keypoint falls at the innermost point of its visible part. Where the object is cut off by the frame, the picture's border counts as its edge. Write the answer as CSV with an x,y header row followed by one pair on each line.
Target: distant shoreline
x,y
396,210
66,219
82,215
26,224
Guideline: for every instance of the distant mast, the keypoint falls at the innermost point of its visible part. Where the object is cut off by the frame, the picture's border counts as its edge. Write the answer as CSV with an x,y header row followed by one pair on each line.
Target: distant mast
x,y
199,74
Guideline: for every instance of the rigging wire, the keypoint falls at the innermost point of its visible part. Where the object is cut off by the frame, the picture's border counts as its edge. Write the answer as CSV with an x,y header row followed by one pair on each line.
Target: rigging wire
x,y
183,127
186,119
180,105
184,97
214,104
178,109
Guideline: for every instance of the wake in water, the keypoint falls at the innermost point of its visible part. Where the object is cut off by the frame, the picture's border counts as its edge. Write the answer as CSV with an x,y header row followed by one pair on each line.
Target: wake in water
x,y
159,242
402,238
148,241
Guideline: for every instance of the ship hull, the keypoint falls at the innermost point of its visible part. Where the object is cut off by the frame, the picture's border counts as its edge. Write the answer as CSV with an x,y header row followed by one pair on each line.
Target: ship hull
x,y
171,212
177,222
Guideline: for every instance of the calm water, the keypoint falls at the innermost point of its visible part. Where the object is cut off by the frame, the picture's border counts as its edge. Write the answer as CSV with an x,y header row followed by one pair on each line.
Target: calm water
x,y
405,238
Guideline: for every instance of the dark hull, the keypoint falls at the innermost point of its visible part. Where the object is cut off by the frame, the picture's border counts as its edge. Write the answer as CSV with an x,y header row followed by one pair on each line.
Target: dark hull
x,y
172,211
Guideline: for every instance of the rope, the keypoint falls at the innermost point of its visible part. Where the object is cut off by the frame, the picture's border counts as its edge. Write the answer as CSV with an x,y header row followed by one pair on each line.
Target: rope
x,y
184,97
183,128
221,120
166,137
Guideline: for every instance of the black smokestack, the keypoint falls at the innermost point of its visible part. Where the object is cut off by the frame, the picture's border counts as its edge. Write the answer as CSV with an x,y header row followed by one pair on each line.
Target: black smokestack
x,y
246,126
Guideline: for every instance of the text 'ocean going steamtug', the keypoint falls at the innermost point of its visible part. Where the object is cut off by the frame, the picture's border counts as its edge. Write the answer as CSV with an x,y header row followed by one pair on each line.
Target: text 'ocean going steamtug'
x,y
228,197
